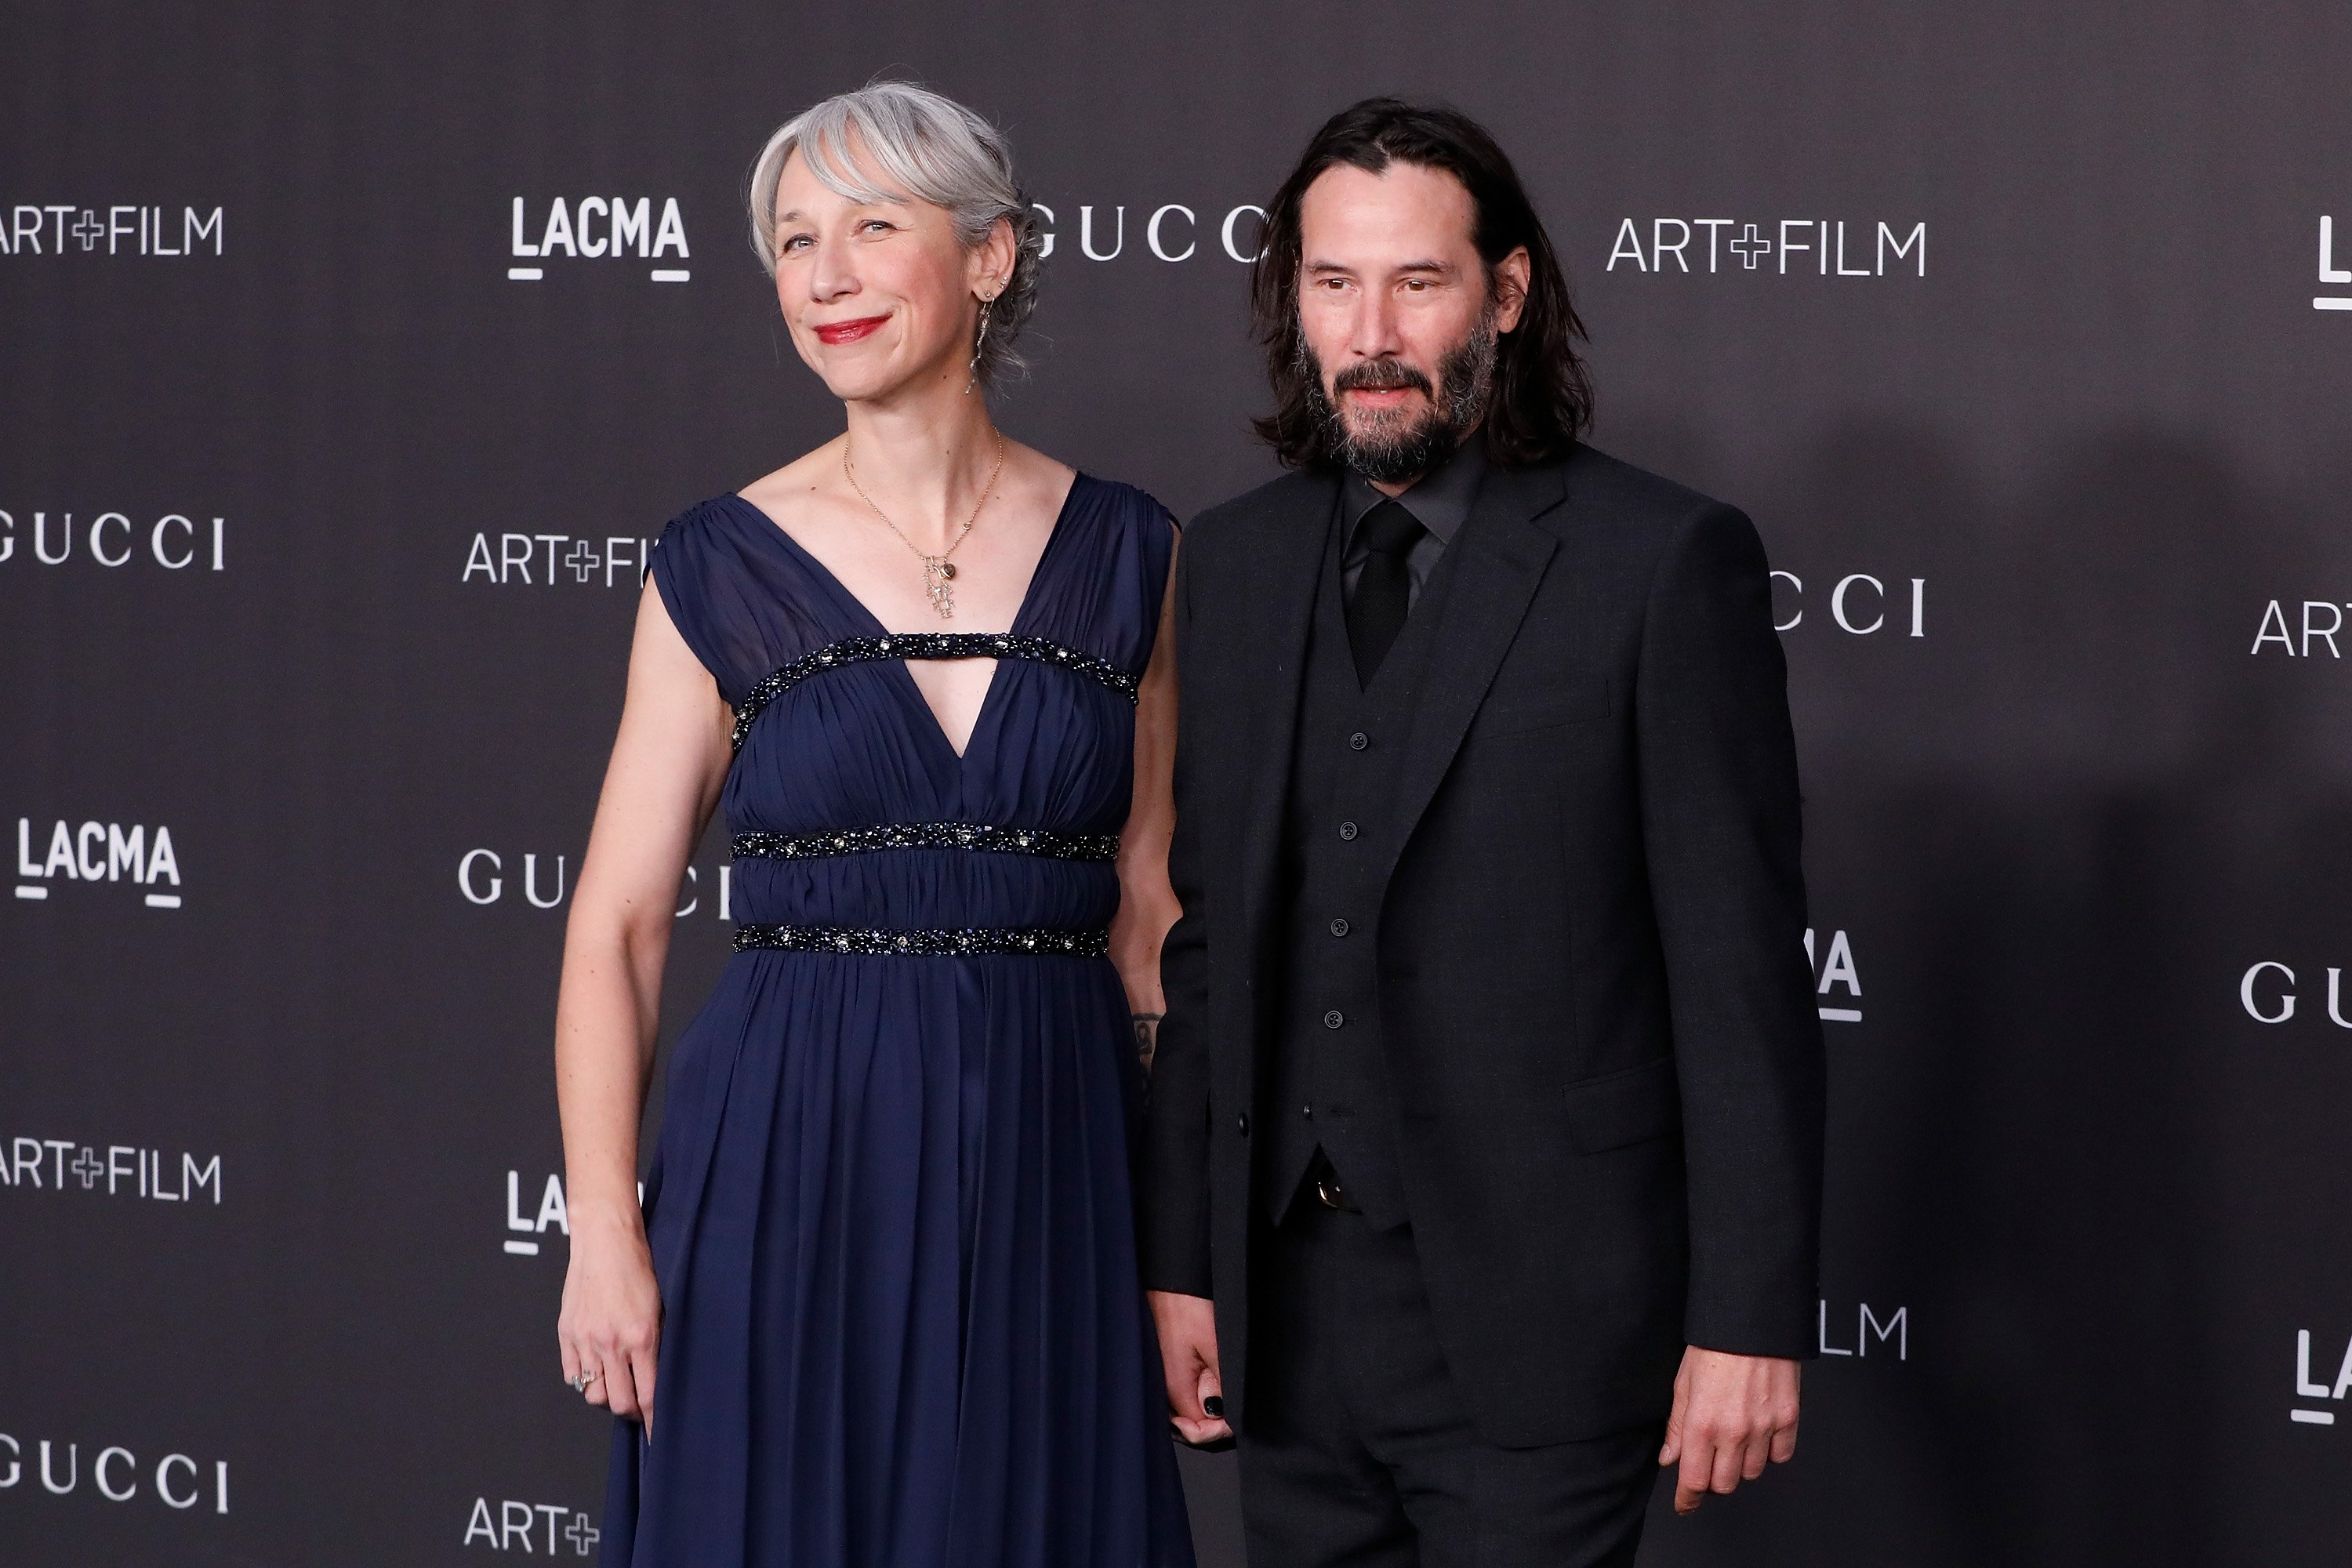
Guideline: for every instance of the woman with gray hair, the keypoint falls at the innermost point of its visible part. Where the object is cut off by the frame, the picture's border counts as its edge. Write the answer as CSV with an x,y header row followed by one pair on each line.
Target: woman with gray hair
x,y
878,1304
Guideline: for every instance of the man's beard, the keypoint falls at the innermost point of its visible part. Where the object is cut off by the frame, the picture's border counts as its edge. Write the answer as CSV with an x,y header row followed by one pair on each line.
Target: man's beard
x,y
1393,449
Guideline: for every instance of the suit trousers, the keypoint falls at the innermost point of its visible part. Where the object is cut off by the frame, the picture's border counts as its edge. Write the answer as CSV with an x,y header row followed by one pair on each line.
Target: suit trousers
x,y
1358,1451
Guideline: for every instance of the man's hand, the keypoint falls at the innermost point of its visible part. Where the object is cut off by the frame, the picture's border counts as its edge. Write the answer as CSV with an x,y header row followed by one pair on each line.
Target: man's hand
x,y
1731,1413
1188,1354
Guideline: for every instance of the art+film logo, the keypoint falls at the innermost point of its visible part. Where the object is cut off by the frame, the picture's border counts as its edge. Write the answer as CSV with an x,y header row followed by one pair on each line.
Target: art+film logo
x,y
112,1473
1833,970
598,229
67,229
530,1528
100,852
122,1171
1857,603
174,541
2318,623
545,560
490,876
1818,246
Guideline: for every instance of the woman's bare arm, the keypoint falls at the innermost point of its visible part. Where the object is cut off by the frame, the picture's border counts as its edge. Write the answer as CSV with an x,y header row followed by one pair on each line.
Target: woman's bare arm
x,y
668,761
1147,904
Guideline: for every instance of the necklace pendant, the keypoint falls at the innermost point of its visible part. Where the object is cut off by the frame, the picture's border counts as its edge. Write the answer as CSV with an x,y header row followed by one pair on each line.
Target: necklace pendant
x,y
938,581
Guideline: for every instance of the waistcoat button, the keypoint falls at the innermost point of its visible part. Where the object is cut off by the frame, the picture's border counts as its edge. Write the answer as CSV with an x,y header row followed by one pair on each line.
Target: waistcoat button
x,y
1334,1018
1358,741
1339,928
1348,830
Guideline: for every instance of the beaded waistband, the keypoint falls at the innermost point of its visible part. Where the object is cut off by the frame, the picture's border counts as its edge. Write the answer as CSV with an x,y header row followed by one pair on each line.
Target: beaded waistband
x,y
977,836
964,944
930,645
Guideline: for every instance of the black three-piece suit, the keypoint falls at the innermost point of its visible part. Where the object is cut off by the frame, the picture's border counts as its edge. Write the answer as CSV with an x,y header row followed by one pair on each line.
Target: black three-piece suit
x,y
1491,1075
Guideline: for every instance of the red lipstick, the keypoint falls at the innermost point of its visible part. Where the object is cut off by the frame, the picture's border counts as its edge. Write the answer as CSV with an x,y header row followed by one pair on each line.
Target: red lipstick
x,y
849,331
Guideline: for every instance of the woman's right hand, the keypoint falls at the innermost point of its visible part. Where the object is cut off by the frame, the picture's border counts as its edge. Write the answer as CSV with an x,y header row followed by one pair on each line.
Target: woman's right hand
x,y
669,763
610,1328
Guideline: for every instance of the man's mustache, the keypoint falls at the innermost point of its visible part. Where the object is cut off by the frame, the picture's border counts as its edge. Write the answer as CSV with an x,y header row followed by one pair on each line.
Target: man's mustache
x,y
1381,375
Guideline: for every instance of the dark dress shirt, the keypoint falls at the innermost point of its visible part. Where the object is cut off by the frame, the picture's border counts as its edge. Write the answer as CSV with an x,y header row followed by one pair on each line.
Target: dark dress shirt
x,y
1439,501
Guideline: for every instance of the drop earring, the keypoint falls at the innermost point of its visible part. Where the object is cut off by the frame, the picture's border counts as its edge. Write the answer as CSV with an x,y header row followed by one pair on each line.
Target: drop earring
x,y
979,343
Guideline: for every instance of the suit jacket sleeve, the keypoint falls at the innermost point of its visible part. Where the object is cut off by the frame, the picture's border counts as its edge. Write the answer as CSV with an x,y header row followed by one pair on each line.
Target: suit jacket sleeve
x,y
1174,1211
1720,824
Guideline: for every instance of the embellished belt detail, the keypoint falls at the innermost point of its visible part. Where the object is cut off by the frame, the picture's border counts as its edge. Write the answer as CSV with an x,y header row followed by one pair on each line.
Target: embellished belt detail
x,y
978,835
924,943
930,645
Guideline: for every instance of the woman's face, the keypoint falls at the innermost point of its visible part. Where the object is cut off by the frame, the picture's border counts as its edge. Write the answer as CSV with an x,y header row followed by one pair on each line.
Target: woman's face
x,y
879,296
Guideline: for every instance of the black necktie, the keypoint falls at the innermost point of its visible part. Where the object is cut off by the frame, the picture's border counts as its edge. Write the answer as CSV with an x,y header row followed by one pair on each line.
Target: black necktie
x,y
1383,590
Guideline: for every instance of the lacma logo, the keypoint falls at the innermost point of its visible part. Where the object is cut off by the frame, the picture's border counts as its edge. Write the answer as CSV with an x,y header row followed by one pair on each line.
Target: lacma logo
x,y
100,852
1894,1330
551,1211
525,1225
607,227
1835,968
2304,1388
2329,272
66,228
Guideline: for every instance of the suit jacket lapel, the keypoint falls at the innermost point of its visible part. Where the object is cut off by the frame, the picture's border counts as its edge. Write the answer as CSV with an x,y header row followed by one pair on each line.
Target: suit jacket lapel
x,y
1504,555
1293,566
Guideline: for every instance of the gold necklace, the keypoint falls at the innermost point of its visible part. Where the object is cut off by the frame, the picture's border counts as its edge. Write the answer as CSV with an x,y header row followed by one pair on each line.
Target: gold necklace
x,y
939,572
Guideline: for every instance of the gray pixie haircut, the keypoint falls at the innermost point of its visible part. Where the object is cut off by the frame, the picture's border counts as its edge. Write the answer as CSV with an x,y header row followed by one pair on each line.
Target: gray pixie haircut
x,y
927,147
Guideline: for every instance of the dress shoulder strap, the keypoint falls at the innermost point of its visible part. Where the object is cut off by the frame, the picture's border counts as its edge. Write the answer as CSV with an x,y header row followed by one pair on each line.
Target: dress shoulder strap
x,y
738,597
1109,577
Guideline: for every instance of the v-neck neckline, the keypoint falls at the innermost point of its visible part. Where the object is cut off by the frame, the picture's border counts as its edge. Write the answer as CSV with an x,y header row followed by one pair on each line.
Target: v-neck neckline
x,y
858,607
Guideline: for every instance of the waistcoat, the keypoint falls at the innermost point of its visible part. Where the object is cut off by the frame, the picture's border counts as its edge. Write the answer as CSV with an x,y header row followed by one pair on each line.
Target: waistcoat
x,y
1330,1086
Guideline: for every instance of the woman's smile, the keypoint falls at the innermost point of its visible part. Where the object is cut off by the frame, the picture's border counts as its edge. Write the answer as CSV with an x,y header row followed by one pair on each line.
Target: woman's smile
x,y
849,331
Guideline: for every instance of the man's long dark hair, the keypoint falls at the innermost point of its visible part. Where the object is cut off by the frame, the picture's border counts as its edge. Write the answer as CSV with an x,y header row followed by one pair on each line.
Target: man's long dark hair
x,y
1542,398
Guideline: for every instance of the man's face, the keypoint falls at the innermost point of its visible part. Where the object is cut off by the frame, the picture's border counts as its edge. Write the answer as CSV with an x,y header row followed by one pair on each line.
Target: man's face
x,y
1396,315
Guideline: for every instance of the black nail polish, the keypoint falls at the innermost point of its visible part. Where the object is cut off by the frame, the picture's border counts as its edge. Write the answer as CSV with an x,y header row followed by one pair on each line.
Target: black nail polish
x,y
1215,1405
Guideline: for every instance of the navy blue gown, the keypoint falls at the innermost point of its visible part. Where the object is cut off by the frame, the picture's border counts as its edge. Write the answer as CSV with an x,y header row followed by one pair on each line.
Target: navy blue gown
x,y
889,1212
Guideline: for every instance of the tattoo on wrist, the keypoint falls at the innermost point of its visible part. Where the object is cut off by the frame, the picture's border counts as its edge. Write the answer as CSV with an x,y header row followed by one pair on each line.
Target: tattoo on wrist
x,y
1147,1037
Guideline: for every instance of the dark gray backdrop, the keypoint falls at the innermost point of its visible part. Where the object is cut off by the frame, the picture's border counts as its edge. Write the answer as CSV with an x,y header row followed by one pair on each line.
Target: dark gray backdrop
x,y
278,1268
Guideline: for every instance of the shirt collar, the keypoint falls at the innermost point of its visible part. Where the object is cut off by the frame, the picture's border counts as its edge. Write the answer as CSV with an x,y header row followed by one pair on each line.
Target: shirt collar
x,y
1440,500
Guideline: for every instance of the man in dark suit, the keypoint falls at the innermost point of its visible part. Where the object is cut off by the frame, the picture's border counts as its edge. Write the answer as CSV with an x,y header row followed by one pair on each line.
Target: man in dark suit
x,y
1483,1164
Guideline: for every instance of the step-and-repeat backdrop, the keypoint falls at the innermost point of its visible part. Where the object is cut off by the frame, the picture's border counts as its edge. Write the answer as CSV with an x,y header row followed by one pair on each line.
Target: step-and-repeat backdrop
x,y
352,358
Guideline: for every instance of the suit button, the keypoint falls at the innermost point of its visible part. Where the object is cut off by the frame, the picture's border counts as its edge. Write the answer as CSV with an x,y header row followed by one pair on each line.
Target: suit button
x,y
1241,1124
1334,1018
1308,1112
1339,928
1358,741
1348,830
